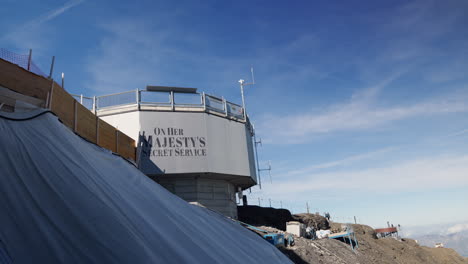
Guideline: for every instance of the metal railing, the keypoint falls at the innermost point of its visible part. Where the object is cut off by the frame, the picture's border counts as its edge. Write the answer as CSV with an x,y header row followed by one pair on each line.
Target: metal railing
x,y
167,101
22,60
119,99
87,102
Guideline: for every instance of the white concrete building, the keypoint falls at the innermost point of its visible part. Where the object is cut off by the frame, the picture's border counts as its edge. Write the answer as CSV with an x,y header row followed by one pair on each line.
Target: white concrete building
x,y
200,147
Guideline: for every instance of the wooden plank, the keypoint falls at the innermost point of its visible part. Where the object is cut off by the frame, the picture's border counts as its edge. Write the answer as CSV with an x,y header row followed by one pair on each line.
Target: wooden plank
x,y
7,93
126,146
107,136
22,81
86,123
62,104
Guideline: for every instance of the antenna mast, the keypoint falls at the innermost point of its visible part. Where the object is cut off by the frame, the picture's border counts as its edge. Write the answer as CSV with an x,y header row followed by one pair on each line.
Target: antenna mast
x,y
242,84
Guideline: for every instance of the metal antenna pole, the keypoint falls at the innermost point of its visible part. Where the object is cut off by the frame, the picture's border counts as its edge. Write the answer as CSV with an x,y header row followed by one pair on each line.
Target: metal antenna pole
x,y
256,159
252,72
269,171
52,67
242,84
29,59
241,81
63,80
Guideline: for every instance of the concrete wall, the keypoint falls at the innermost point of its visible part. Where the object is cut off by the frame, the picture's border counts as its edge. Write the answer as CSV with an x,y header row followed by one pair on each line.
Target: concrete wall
x,y
128,123
201,143
191,142
217,195
197,156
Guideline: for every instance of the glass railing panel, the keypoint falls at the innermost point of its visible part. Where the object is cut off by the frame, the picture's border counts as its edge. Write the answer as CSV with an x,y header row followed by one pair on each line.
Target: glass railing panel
x,y
148,97
214,103
116,99
234,110
188,99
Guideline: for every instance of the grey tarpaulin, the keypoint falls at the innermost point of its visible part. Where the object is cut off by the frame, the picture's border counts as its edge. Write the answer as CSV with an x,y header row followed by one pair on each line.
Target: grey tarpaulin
x,y
65,200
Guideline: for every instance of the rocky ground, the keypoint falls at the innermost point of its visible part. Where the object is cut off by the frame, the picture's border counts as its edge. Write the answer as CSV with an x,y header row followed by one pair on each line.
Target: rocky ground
x,y
371,250
330,251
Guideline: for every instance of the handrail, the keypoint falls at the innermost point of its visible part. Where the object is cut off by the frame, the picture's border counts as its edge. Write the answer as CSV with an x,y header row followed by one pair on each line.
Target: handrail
x,y
208,103
80,95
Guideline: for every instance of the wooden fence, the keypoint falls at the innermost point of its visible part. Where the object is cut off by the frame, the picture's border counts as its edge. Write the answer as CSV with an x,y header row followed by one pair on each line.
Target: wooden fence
x,y
71,112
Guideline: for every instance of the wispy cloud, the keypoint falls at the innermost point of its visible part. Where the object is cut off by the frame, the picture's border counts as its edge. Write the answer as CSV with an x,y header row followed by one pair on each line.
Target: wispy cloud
x,y
53,13
136,52
31,33
359,113
338,163
423,174
458,133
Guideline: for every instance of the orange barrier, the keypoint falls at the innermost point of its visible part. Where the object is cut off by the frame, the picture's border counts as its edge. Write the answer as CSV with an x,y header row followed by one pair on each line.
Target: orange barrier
x,y
71,112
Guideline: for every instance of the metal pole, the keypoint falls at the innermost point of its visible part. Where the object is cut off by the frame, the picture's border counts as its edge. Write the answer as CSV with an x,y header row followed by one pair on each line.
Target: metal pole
x,y
63,80
138,98
172,101
258,166
269,201
307,204
204,101
29,59
225,106
94,104
81,99
242,95
52,67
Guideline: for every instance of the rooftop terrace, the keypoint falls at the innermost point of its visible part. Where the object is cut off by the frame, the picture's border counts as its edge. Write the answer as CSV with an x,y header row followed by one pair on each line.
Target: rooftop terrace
x,y
168,99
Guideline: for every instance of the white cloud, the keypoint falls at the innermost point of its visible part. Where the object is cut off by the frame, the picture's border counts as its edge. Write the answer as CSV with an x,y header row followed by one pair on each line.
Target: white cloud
x,y
54,13
457,228
137,52
359,113
458,133
32,34
424,174
341,162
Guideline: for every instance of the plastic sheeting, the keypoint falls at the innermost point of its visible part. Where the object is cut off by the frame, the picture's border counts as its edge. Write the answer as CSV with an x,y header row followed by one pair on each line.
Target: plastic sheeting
x,y
64,200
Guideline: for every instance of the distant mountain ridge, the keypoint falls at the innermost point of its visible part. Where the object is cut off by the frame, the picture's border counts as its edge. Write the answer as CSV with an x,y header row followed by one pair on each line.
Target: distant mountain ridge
x,y
457,241
453,236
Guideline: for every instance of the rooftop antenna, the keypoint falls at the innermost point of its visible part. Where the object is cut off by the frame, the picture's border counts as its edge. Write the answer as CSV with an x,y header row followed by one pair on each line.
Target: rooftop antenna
x,y
267,169
252,72
242,84
259,142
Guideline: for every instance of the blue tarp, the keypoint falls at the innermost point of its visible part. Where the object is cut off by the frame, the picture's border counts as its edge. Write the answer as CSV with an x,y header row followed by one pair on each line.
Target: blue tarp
x,y
65,200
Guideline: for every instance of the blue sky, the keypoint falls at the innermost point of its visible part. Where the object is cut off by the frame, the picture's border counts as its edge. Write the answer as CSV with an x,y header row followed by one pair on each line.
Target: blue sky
x,y
361,105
